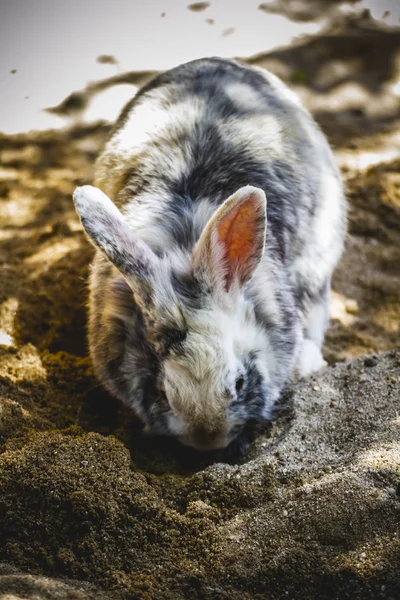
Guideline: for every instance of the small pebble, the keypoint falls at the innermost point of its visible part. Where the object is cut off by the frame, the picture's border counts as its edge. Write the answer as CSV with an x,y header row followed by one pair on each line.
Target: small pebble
x,y
198,6
351,306
370,361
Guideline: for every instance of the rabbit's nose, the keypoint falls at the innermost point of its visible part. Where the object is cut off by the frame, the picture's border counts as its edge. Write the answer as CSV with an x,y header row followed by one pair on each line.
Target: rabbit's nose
x,y
204,438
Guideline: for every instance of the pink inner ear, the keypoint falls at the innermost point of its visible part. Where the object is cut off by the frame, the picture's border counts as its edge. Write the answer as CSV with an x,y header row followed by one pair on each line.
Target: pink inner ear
x,y
239,235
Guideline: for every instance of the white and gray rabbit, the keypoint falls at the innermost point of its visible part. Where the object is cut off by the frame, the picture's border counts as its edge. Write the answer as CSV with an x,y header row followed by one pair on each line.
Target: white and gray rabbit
x,y
211,285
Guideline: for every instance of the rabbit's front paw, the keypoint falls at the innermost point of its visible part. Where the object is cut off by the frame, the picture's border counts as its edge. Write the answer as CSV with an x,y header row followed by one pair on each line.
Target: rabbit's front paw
x,y
310,359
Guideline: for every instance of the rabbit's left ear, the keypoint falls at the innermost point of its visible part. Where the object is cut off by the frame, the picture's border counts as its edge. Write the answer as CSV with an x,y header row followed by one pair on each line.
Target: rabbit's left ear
x,y
232,243
108,230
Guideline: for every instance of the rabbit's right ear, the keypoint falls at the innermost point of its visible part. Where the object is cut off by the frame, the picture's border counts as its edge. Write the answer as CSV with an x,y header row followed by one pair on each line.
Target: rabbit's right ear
x,y
108,231
232,243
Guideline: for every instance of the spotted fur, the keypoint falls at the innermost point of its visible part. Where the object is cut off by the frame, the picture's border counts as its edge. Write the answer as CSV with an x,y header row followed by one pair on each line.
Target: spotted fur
x,y
198,343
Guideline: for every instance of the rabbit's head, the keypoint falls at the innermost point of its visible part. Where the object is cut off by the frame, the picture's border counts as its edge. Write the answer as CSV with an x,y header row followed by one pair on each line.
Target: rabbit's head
x,y
213,355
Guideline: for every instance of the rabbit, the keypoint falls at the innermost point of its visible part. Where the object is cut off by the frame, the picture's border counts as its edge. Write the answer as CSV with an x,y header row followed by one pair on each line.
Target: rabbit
x,y
219,216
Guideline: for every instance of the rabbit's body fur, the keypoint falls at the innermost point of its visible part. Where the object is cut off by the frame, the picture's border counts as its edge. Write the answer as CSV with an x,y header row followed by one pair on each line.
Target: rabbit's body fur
x,y
189,140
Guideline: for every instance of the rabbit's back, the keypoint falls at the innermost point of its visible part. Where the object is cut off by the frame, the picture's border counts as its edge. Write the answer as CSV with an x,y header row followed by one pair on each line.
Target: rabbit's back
x,y
197,133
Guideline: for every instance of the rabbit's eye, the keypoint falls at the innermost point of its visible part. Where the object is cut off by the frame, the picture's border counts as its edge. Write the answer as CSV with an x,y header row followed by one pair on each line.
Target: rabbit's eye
x,y
175,338
239,384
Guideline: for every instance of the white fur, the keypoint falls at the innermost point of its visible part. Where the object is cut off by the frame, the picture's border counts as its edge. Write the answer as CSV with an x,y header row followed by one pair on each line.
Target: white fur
x,y
317,321
91,202
265,131
310,359
159,118
243,95
323,233
200,384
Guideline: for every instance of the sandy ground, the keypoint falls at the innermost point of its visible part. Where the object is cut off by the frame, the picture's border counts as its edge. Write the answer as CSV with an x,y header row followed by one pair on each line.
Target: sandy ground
x,y
312,511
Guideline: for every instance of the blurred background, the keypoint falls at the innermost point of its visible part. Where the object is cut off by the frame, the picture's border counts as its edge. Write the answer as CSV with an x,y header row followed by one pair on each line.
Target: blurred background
x,y
51,48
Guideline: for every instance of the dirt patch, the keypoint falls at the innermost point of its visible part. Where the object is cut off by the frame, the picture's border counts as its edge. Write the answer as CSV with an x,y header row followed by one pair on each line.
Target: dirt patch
x,y
312,510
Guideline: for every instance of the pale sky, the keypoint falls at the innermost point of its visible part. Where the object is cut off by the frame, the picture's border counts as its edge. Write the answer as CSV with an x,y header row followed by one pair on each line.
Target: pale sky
x,y
53,46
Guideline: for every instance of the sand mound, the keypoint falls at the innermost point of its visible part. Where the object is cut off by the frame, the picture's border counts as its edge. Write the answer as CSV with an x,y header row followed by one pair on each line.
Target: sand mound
x,y
314,508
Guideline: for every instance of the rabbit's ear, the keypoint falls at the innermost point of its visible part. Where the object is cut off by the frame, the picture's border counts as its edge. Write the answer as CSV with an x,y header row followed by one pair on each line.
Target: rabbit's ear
x,y
232,242
108,231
